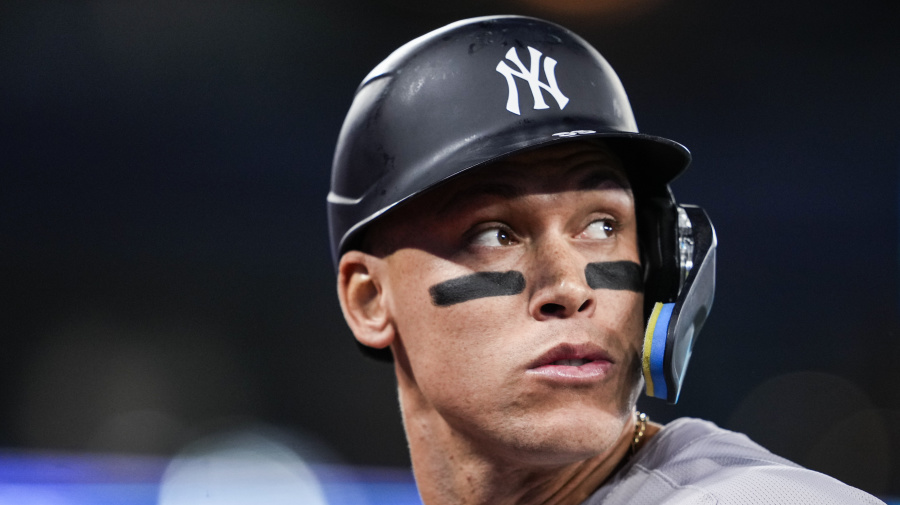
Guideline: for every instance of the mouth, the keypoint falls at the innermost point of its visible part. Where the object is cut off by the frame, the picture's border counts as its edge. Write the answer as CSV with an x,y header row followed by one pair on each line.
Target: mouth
x,y
573,362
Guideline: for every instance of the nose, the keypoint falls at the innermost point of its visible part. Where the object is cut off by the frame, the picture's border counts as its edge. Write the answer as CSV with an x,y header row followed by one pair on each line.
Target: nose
x,y
559,287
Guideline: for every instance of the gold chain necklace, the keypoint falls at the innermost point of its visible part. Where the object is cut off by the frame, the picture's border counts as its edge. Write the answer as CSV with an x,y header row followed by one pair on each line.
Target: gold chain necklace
x,y
640,426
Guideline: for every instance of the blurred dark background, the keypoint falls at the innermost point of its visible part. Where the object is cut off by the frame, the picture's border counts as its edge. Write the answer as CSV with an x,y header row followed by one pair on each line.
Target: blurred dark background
x,y
163,172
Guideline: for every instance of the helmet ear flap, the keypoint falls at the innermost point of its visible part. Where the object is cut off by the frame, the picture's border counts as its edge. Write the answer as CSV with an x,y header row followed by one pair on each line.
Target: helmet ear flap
x,y
678,245
657,228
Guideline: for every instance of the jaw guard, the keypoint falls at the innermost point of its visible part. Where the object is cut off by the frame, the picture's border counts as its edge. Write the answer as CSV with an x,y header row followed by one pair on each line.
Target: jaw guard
x,y
672,327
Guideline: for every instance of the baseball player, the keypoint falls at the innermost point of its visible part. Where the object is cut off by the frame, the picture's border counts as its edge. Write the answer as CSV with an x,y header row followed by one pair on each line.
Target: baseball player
x,y
507,238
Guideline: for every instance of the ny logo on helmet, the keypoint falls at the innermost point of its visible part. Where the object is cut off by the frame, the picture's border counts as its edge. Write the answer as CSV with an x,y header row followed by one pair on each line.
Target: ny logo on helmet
x,y
533,77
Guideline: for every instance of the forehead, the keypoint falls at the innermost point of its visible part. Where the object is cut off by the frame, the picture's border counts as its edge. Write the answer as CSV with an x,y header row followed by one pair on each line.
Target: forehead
x,y
561,167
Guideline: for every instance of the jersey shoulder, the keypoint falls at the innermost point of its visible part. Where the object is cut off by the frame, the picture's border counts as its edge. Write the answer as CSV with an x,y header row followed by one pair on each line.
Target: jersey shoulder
x,y
691,461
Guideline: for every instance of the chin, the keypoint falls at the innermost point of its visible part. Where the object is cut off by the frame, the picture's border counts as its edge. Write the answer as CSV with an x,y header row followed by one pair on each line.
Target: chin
x,y
564,436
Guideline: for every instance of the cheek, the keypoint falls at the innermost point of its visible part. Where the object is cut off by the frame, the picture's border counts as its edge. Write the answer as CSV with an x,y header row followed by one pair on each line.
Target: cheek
x,y
436,301
636,323
622,312
458,339
455,352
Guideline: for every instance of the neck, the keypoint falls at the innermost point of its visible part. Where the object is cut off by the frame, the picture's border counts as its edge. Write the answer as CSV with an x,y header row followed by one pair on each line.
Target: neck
x,y
453,468
459,473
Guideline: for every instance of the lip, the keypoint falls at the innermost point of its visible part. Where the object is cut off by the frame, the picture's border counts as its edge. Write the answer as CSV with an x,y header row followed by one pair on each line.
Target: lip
x,y
597,366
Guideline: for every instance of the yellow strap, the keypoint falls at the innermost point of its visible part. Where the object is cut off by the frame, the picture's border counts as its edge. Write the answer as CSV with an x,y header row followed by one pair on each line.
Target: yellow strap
x,y
648,346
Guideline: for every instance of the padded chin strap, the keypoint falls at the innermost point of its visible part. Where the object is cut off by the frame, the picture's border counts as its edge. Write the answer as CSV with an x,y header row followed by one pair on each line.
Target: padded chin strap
x,y
655,350
672,327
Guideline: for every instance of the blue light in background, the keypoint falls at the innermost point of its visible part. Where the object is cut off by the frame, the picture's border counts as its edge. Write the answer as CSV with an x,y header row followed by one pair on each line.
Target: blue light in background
x,y
88,479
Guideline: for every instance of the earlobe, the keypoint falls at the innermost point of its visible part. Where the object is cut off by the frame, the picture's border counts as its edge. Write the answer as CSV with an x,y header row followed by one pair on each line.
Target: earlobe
x,y
363,299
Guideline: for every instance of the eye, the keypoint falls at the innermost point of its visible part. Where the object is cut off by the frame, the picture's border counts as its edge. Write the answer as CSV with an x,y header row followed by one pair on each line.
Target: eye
x,y
493,237
600,229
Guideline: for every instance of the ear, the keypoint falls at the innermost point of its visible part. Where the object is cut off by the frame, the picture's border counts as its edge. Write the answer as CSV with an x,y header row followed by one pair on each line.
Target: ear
x,y
363,299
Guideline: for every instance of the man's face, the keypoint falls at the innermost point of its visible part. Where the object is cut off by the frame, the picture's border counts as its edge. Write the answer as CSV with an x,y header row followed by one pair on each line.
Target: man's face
x,y
514,293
